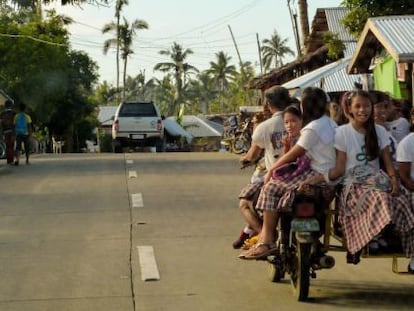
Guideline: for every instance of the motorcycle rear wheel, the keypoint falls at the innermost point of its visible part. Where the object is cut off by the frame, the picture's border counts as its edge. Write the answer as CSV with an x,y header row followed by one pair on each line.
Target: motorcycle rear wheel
x,y
300,277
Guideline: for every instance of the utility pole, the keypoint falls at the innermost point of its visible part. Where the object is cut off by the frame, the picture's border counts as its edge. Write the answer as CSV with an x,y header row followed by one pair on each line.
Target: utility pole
x,y
237,50
240,61
260,53
293,18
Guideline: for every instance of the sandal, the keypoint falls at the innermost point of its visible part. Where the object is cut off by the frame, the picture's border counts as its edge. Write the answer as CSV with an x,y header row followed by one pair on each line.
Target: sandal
x,y
259,251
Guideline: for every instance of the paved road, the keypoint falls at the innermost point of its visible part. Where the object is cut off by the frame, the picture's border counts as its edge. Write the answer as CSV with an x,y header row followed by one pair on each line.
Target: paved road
x,y
71,225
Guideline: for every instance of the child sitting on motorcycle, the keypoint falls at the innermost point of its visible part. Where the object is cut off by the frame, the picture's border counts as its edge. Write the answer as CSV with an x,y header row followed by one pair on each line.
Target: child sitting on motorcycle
x,y
267,136
317,142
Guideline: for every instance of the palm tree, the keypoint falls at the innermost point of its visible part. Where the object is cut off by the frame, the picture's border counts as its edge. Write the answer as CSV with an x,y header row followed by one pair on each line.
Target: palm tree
x,y
118,9
115,27
126,35
163,93
179,68
138,88
304,21
222,72
274,49
201,91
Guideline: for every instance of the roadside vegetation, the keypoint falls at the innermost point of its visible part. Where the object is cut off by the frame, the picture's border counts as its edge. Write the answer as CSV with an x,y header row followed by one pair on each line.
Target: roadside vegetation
x,y
61,85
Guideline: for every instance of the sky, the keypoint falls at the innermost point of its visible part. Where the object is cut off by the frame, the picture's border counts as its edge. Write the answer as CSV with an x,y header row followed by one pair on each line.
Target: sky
x,y
202,26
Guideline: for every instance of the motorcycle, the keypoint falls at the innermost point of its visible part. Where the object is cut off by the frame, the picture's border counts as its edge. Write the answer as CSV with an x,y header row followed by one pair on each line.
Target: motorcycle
x,y
242,138
299,251
237,138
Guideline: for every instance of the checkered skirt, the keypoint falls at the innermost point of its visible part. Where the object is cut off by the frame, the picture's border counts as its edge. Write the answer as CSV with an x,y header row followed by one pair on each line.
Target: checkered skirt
x,y
363,214
276,195
250,190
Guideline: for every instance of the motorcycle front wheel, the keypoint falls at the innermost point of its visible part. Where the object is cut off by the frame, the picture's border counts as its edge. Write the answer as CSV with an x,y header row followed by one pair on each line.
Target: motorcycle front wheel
x,y
239,145
300,277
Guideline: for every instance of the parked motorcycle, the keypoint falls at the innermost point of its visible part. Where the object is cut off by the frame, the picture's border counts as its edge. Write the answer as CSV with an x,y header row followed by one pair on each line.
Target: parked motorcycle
x,y
242,138
237,138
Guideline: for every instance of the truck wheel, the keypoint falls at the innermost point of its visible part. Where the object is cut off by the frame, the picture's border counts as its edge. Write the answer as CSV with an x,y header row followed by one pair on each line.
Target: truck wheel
x,y
161,144
116,146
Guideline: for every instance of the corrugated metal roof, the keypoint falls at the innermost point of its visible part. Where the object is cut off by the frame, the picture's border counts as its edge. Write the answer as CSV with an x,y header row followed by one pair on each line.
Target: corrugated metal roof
x,y
331,78
334,17
198,127
106,114
394,33
398,33
174,129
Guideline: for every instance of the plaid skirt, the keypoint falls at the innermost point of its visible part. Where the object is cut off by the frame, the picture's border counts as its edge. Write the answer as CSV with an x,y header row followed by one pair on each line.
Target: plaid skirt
x,y
251,191
363,214
405,221
276,195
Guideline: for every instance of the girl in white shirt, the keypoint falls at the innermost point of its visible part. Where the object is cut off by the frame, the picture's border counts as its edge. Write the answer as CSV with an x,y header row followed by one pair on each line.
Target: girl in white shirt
x,y
365,205
405,159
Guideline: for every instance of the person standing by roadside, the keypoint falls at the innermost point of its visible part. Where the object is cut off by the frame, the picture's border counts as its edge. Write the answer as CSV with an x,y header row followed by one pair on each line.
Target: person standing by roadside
x,y
22,124
7,117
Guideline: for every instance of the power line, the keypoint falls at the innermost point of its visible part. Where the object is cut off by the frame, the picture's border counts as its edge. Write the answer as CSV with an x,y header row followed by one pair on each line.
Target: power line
x,y
32,38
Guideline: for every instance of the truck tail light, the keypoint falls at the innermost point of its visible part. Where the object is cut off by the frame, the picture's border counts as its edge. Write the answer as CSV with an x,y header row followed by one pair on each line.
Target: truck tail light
x,y
159,125
115,125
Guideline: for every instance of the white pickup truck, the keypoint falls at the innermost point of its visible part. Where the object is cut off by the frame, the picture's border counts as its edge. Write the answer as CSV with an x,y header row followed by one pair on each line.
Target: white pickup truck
x,y
137,124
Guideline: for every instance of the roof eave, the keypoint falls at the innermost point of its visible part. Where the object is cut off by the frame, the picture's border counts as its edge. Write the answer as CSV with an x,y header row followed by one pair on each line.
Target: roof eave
x,y
352,67
360,63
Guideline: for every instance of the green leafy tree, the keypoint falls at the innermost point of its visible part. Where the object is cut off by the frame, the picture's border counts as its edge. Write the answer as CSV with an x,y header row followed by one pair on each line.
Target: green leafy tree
x,y
361,10
164,94
274,50
201,91
222,73
335,45
38,68
137,88
105,94
32,4
180,70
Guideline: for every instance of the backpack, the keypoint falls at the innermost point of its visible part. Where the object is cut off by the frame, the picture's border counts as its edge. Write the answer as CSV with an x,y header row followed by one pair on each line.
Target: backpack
x,y
21,124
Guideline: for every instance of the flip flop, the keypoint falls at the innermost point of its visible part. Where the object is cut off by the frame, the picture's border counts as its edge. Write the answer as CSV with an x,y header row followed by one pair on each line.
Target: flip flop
x,y
259,251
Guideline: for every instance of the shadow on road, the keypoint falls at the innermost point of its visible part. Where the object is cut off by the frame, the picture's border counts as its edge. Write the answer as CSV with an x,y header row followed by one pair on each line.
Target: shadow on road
x,y
366,295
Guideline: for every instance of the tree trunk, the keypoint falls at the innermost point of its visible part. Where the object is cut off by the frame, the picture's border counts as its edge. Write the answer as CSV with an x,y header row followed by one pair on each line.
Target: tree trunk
x,y
304,21
118,17
124,78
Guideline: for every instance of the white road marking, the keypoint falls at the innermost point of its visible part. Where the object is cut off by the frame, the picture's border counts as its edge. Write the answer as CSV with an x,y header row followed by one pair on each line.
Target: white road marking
x,y
130,161
137,200
149,269
132,174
